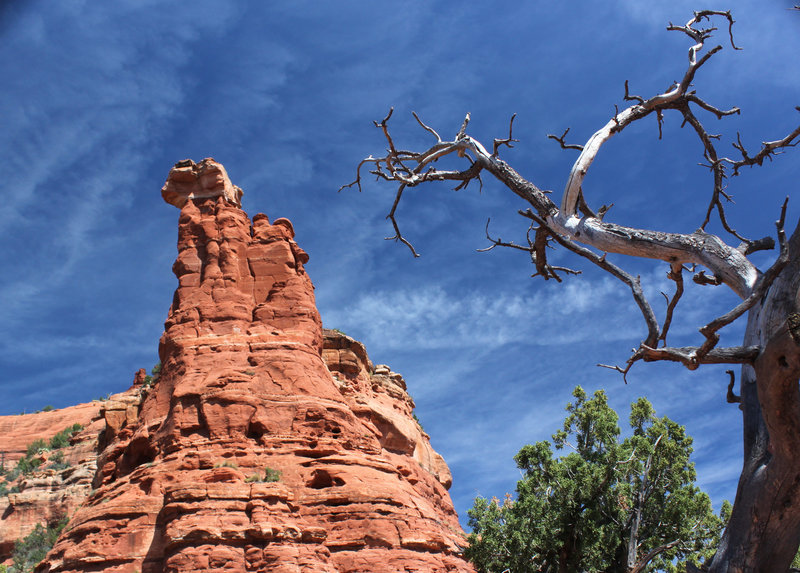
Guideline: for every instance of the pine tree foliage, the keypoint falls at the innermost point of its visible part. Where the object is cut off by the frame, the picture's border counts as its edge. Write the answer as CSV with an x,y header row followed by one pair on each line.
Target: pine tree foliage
x,y
604,504
32,549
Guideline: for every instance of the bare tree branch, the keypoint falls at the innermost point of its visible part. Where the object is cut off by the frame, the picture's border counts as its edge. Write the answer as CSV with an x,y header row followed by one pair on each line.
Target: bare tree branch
x,y
675,274
398,236
768,149
763,244
560,139
507,141
427,128
634,283
537,250
759,290
702,278
629,97
717,167
643,108
574,224
730,396
689,355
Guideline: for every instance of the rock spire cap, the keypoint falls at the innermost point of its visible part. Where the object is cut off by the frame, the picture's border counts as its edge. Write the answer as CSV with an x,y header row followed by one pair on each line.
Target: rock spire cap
x,y
190,180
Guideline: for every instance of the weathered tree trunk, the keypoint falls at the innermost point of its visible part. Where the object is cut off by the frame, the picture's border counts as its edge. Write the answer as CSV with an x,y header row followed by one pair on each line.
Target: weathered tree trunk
x,y
764,530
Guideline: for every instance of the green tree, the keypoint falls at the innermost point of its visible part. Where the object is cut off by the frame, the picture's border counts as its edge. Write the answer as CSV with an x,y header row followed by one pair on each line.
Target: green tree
x,y
36,447
607,505
32,549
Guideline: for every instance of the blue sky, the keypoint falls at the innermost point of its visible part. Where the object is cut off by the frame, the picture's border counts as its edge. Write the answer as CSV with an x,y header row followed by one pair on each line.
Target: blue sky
x,y
98,100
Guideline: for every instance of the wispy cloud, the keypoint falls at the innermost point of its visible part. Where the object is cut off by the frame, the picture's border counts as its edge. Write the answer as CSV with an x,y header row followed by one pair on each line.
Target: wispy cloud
x,y
91,105
432,317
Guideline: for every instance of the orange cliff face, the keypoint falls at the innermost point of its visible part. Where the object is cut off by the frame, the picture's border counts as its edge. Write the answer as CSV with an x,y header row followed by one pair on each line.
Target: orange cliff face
x,y
266,444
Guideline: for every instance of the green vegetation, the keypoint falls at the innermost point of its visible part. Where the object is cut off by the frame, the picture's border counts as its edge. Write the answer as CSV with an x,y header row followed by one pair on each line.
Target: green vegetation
x,y
57,462
152,378
45,409
226,465
5,490
608,505
36,447
270,475
25,466
31,550
61,439
31,461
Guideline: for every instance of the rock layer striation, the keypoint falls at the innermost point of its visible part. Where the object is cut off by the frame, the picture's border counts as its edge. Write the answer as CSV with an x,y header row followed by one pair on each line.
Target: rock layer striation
x,y
266,444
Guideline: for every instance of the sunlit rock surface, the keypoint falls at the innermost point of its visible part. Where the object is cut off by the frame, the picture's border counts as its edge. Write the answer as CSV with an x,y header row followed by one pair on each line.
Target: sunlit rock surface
x,y
266,443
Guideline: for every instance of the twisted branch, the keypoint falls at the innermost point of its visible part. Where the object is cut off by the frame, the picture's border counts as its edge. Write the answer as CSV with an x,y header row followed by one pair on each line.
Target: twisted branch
x,y
575,226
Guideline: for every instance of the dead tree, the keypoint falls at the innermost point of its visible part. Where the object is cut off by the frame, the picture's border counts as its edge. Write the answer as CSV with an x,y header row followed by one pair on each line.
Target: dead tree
x,y
764,531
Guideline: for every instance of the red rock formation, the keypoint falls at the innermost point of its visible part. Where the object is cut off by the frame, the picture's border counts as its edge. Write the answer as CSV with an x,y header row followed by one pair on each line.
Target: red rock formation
x,y
352,483
50,493
19,431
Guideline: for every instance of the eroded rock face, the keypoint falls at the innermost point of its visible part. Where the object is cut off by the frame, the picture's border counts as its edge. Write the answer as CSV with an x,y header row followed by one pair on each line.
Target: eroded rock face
x,y
19,431
63,481
250,453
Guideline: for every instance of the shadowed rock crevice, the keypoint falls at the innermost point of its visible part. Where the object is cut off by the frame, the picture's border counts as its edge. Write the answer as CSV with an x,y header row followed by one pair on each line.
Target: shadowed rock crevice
x,y
322,479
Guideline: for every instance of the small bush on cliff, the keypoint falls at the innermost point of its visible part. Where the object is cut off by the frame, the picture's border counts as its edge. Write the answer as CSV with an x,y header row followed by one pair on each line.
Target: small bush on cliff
x,y
226,465
36,447
270,475
61,439
25,466
57,462
31,463
29,551
5,490
152,378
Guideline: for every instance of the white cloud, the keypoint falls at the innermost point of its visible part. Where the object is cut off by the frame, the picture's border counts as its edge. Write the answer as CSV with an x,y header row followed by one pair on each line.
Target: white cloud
x,y
433,317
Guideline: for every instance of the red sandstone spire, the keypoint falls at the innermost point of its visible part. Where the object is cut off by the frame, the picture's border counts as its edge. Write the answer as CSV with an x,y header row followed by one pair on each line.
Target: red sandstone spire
x,y
244,394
